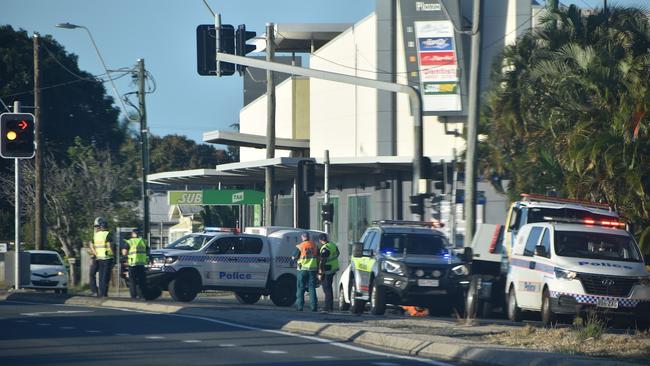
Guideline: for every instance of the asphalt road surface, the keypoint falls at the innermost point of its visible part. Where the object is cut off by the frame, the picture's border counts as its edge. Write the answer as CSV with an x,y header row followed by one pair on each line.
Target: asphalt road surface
x,y
44,334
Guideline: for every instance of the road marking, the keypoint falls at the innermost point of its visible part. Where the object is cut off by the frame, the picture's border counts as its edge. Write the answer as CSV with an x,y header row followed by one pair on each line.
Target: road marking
x,y
44,324
57,312
227,345
67,328
192,341
272,331
122,334
274,351
21,321
154,337
385,364
323,357
93,331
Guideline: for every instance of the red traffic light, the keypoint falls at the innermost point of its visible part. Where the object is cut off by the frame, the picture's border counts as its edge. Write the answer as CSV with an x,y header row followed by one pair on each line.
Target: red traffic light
x,y
17,136
23,124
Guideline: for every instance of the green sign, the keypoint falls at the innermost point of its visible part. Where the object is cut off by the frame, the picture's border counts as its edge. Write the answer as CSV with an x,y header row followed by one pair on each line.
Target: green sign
x,y
216,197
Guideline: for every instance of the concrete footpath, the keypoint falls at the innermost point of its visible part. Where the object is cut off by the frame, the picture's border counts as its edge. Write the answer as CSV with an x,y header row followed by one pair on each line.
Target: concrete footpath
x,y
428,338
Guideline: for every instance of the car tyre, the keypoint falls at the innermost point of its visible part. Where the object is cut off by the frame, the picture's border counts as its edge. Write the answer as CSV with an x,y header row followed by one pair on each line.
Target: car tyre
x,y
377,299
548,316
184,287
283,291
343,305
151,293
247,298
514,311
356,305
476,307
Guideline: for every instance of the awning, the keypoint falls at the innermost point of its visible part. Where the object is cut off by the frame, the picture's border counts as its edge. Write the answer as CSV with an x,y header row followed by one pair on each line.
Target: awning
x,y
249,140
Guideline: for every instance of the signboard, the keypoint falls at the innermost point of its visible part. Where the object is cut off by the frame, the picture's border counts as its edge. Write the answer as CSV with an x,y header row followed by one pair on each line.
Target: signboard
x,y
434,54
216,197
3,247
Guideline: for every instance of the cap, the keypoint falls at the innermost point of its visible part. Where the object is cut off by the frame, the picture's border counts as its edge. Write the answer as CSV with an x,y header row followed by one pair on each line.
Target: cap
x,y
305,234
322,237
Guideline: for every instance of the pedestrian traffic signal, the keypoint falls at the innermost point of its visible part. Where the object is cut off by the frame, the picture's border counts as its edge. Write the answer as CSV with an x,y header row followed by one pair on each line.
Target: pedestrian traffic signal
x,y
17,130
307,170
241,48
207,45
327,212
417,204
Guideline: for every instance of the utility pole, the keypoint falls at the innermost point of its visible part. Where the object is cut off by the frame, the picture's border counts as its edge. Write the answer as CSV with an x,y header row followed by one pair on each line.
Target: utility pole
x,y
269,174
144,146
472,125
17,215
326,188
39,227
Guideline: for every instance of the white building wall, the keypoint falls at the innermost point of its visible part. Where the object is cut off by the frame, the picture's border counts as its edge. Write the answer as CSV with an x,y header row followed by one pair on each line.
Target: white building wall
x,y
343,118
252,120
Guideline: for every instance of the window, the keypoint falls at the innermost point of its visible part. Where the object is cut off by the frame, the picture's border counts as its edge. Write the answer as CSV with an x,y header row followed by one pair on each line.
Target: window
x,y
590,245
422,244
334,226
546,243
250,246
533,239
369,238
49,259
223,246
190,242
359,216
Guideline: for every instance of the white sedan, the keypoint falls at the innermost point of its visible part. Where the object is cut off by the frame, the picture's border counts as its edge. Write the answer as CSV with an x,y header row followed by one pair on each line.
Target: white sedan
x,y
47,271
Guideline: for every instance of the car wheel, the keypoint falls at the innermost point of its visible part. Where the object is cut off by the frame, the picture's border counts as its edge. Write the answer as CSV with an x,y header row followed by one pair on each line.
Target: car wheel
x,y
343,305
472,301
377,300
184,287
514,311
151,293
548,316
356,305
283,291
247,298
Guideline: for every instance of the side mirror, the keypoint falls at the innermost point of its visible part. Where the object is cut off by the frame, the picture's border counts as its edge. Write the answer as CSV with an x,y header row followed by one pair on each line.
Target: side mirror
x,y
468,254
646,259
357,250
540,251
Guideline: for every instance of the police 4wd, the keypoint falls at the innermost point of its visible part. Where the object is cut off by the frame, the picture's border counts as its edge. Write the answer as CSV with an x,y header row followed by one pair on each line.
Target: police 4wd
x,y
247,264
404,263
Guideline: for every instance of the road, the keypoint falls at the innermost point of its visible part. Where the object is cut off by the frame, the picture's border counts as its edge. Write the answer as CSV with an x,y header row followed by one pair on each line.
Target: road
x,y
46,334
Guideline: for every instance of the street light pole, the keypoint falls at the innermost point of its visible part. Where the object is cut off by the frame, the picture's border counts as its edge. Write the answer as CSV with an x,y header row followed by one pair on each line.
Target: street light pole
x,y
144,146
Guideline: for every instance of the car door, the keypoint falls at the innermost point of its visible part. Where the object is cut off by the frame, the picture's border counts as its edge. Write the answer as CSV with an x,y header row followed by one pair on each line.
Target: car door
x,y
254,261
220,261
363,265
530,282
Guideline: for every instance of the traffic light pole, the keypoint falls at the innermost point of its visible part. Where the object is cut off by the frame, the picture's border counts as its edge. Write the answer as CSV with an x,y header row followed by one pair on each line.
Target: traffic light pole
x,y
17,215
269,172
413,93
326,188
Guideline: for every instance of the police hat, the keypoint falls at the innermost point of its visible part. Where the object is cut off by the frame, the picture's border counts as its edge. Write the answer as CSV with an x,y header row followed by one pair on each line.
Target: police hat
x,y
322,237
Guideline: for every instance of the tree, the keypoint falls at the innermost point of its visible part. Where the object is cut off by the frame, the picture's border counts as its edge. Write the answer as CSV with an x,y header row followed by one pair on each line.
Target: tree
x,y
176,152
568,110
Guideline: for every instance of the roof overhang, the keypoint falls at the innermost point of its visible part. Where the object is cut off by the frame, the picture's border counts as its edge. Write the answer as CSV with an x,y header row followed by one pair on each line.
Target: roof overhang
x,y
249,140
301,38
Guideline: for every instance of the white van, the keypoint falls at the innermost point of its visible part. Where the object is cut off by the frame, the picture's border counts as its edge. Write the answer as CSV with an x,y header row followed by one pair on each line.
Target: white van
x,y
565,266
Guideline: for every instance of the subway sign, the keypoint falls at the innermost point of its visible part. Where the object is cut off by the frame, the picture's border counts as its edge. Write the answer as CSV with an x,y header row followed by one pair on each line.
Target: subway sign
x,y
216,197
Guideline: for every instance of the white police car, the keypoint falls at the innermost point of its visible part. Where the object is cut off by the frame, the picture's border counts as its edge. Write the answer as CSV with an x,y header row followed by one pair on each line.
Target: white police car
x,y
222,259
47,271
566,266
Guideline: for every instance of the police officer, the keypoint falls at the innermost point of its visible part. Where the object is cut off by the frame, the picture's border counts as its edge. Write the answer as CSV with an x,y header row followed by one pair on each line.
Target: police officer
x,y
328,266
103,249
306,254
137,259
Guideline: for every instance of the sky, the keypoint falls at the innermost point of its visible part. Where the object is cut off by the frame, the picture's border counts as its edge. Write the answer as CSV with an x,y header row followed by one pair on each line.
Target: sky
x,y
163,33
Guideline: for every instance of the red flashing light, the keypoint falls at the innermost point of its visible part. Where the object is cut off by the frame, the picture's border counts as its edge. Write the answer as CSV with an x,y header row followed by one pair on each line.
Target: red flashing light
x,y
23,124
589,221
495,239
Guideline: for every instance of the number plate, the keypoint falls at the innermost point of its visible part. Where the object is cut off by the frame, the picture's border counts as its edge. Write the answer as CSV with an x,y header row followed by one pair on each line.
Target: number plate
x,y
607,303
429,283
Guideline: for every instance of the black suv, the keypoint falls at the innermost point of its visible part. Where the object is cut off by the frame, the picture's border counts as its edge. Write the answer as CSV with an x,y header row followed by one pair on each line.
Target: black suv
x,y
406,263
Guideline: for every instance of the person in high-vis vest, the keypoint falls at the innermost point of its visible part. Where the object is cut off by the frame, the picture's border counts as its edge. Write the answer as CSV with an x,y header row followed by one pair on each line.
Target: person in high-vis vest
x,y
329,265
136,254
104,251
306,256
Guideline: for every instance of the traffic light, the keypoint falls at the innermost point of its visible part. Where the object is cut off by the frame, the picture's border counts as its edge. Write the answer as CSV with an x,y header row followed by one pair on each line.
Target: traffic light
x,y
17,130
417,204
206,49
241,48
327,212
307,170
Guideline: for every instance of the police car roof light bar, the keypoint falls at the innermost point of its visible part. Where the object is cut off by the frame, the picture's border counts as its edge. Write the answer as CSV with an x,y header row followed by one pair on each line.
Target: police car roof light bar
x,y
214,229
608,223
434,223
541,198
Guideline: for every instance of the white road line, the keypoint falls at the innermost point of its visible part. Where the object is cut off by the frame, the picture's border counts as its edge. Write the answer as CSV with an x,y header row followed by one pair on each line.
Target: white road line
x,y
44,324
384,364
192,341
67,328
122,334
57,312
323,357
227,345
93,331
274,351
21,321
272,331
155,337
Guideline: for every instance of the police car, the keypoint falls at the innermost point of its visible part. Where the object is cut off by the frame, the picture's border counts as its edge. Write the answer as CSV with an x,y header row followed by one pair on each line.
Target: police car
x,y
570,266
222,259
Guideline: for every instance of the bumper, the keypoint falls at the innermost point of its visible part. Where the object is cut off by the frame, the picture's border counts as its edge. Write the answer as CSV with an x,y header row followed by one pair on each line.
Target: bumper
x,y
158,278
409,291
47,284
576,304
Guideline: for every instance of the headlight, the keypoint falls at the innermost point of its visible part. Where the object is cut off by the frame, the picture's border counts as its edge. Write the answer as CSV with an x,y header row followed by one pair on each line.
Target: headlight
x,y
461,270
644,281
170,260
564,274
392,267
59,273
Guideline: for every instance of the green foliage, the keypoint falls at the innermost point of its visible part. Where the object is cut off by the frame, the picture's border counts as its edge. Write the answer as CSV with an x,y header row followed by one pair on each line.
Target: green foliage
x,y
568,112
175,152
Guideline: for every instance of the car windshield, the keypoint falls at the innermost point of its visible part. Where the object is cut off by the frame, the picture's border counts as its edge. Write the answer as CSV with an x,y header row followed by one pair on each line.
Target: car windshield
x,y
49,259
190,242
422,244
582,244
